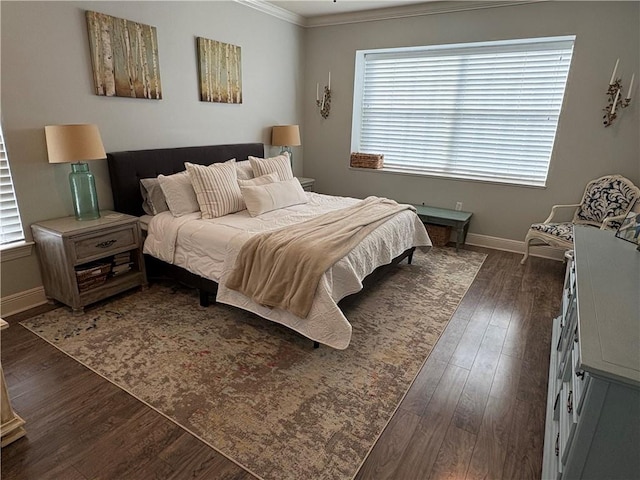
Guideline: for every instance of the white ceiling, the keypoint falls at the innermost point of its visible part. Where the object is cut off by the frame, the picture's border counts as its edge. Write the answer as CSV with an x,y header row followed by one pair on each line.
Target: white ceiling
x,y
316,8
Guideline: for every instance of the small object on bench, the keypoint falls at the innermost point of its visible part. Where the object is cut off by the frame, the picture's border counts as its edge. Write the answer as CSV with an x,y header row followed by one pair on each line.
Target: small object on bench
x,y
366,160
456,219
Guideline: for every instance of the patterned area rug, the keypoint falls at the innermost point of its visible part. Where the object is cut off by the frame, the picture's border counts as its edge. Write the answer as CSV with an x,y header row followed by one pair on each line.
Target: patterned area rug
x,y
258,392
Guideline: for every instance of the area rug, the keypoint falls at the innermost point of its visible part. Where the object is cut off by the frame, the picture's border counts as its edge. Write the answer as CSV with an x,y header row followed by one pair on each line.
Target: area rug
x,y
257,392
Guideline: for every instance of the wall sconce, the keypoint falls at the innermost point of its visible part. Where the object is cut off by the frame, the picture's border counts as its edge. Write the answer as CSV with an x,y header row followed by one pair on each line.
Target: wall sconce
x,y
324,104
616,102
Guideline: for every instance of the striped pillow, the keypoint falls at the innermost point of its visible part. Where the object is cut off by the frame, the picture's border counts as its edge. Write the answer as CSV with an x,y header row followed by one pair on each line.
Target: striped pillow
x,y
216,188
280,164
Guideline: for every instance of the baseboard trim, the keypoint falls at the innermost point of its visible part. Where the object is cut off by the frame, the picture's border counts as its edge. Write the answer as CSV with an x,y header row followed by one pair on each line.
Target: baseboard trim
x,y
515,246
21,301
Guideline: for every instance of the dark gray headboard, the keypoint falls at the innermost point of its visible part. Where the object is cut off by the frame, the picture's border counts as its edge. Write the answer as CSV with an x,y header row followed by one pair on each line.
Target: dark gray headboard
x,y
127,168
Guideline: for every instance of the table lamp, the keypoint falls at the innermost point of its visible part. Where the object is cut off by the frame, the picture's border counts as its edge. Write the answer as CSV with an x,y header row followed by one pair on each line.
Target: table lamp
x,y
286,136
76,144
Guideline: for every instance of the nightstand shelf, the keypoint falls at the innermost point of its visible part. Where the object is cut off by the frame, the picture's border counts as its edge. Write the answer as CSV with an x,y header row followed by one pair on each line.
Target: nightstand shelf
x,y
76,258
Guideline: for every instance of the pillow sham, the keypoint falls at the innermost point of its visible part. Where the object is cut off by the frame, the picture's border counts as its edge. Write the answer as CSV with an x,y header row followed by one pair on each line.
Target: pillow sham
x,y
280,164
273,196
216,187
244,170
153,201
262,180
179,194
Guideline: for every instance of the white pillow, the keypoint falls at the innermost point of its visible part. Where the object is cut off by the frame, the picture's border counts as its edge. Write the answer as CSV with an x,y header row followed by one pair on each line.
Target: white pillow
x,y
280,164
272,196
153,201
216,188
179,194
244,170
262,180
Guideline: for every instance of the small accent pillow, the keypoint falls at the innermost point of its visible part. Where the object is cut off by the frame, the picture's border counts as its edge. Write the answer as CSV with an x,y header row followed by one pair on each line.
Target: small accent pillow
x,y
179,194
262,180
244,170
153,201
280,164
273,196
216,188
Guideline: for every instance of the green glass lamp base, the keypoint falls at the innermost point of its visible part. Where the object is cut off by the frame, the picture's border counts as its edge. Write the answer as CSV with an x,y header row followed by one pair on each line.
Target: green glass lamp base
x,y
83,192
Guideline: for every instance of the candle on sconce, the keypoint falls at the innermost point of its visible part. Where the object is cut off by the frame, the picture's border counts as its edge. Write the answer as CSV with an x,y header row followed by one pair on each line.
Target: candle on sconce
x,y
329,85
615,100
631,86
317,92
613,75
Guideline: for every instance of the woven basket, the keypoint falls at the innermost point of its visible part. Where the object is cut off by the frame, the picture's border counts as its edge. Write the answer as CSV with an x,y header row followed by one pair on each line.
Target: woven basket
x,y
366,160
87,272
438,234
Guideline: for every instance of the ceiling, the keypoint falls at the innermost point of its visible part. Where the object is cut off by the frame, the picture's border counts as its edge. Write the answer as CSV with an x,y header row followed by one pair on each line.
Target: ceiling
x,y
317,8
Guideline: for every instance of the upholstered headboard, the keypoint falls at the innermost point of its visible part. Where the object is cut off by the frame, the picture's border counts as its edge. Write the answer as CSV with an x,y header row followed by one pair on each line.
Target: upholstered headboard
x,y
127,168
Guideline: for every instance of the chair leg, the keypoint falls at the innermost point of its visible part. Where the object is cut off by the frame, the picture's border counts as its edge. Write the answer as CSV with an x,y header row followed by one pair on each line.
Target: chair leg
x,y
527,244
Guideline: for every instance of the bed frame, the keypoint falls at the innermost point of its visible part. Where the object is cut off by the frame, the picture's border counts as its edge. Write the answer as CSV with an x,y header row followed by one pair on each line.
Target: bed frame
x,y
126,169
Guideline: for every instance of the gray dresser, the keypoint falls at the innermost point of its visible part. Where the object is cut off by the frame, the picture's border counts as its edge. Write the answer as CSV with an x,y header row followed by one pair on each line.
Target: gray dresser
x,y
593,406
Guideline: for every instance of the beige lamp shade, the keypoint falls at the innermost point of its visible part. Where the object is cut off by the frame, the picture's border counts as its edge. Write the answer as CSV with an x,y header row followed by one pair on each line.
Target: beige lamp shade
x,y
285,135
73,143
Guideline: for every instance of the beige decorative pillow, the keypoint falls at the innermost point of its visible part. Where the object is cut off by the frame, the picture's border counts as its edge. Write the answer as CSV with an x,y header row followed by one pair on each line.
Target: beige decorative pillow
x,y
273,196
261,180
216,188
280,164
179,193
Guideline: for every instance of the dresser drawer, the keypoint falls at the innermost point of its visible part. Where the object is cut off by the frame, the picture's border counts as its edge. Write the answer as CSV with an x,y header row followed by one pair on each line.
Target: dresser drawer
x,y
88,247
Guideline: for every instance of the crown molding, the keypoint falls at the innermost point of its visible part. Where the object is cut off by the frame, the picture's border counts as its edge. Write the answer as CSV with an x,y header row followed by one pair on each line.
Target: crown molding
x,y
275,11
406,11
427,8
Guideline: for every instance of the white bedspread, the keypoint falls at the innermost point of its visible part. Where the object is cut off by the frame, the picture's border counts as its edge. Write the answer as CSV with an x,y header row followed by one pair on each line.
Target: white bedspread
x,y
209,247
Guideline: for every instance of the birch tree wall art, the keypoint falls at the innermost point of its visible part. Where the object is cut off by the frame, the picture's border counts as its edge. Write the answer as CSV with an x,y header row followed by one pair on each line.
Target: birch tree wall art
x,y
124,55
220,66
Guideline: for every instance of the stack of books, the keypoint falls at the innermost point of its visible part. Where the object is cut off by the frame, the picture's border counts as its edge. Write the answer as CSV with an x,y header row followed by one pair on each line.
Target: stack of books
x,y
121,263
91,275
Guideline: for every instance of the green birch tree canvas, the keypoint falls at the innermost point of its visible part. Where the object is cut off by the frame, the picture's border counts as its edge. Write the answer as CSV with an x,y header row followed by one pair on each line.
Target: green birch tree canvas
x,y
220,66
124,55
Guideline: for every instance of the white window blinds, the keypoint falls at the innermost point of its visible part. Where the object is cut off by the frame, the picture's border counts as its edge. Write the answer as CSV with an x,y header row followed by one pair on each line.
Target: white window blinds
x,y
484,111
10,225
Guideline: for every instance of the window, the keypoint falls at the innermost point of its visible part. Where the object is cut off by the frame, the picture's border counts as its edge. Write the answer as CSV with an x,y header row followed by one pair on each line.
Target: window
x,y
481,111
10,224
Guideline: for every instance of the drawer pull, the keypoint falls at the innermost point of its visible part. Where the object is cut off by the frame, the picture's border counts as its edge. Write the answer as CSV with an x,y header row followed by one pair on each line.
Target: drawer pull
x,y
558,444
570,402
106,244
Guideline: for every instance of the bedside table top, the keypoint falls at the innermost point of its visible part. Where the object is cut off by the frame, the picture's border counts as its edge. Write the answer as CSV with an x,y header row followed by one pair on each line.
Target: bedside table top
x,y
306,180
67,225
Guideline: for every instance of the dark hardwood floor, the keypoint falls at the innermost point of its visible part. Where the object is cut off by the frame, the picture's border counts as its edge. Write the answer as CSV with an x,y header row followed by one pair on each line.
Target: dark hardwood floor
x,y
476,410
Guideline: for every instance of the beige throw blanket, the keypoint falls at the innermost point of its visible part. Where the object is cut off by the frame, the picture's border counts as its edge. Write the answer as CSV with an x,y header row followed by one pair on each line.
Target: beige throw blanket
x,y
282,269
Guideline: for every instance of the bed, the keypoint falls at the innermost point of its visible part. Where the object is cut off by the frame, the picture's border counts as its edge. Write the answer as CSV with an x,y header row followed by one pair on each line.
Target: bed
x,y
190,239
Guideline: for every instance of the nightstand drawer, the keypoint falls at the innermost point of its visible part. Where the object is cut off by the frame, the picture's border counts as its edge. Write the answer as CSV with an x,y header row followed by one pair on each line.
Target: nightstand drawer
x,y
86,248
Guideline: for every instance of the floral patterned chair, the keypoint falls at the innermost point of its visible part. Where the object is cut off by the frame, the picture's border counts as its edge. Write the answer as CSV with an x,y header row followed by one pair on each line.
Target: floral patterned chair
x,y
605,203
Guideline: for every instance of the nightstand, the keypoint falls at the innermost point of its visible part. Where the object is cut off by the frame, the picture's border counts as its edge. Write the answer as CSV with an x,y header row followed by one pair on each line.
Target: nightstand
x,y
83,262
307,183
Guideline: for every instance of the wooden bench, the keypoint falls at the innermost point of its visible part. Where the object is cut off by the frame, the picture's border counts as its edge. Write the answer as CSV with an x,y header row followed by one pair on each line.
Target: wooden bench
x,y
456,219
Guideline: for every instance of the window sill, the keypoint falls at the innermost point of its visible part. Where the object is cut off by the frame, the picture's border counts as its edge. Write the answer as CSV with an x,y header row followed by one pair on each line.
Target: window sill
x,y
444,177
15,250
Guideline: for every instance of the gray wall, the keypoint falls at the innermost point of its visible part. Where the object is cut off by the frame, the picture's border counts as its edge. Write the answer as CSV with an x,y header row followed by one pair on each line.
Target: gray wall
x,y
46,79
584,149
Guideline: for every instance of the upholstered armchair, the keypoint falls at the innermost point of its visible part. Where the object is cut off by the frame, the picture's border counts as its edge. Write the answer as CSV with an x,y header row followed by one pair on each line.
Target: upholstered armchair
x,y
605,203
